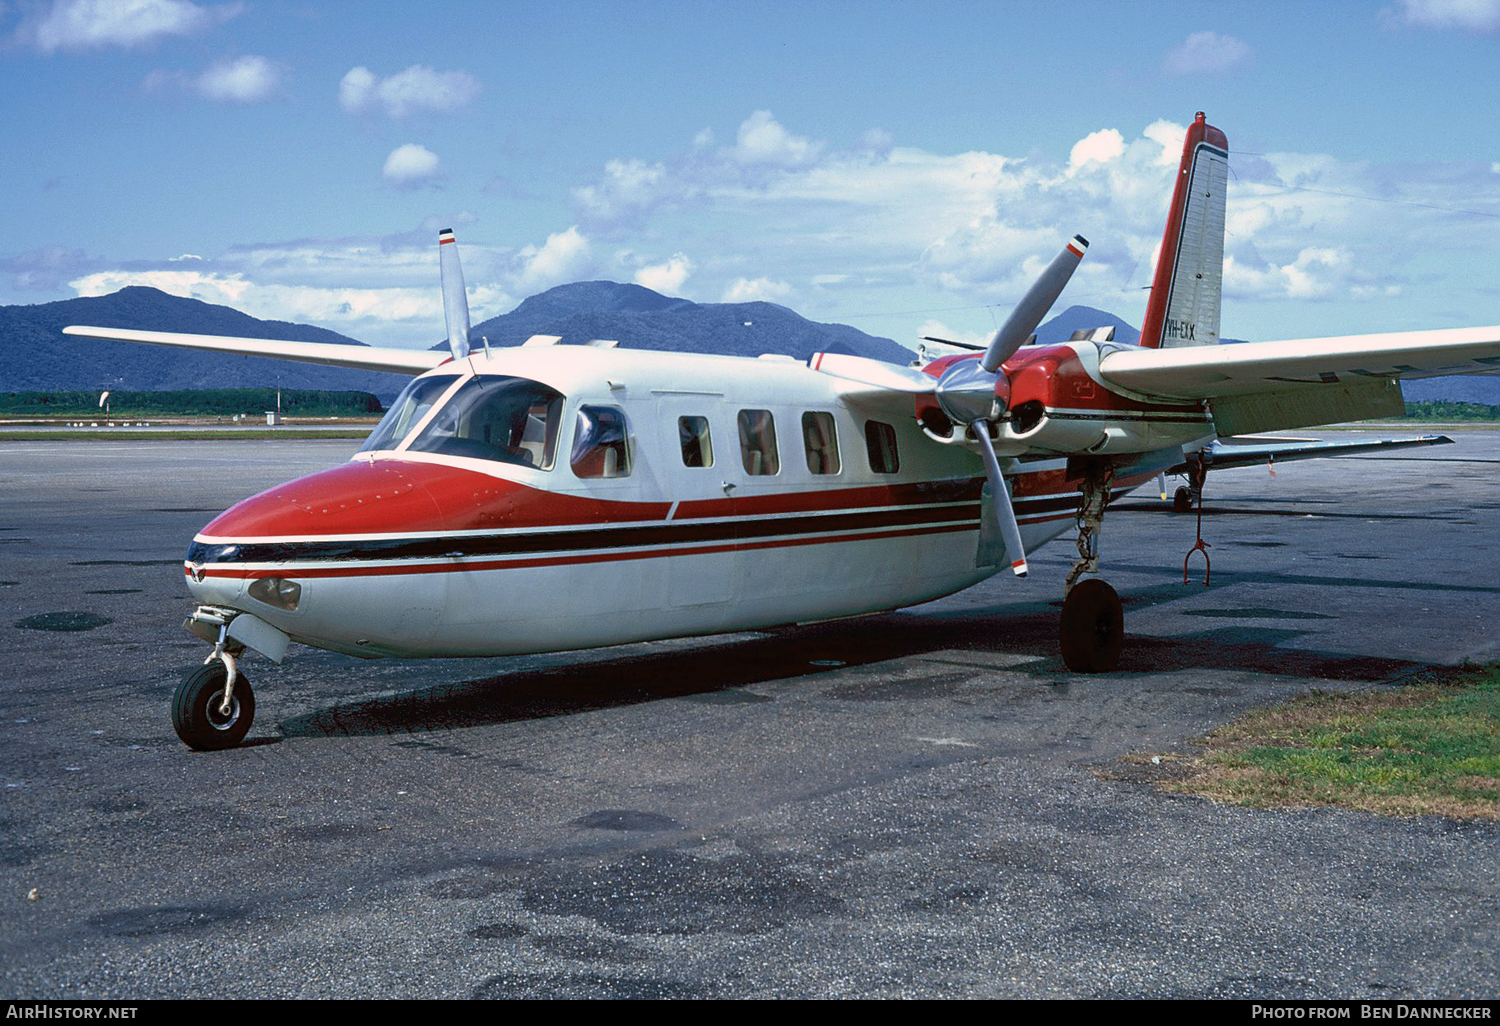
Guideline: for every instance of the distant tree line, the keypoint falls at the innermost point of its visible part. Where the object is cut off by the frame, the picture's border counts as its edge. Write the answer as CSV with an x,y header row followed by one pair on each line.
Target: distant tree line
x,y
1443,409
206,402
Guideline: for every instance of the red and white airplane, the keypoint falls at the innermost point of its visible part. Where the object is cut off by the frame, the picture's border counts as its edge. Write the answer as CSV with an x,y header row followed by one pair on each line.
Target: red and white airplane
x,y
550,497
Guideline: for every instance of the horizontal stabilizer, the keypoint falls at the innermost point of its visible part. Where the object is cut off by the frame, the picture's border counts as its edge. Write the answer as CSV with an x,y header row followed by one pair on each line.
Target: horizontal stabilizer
x,y
393,361
1251,452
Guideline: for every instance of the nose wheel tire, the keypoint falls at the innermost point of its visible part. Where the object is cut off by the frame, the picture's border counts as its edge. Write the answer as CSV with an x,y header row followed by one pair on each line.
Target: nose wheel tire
x,y
1093,628
196,713
1182,500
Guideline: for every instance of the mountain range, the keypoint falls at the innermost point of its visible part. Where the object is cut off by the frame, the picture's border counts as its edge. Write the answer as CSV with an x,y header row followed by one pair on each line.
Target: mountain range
x,y
36,356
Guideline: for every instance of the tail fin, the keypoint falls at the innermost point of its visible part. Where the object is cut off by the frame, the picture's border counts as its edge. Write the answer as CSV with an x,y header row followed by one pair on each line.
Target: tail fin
x,y
1189,282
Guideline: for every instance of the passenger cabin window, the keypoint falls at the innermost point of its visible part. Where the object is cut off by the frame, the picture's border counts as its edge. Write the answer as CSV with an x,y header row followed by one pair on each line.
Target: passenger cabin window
x,y
880,443
758,442
697,447
504,419
600,447
821,443
407,411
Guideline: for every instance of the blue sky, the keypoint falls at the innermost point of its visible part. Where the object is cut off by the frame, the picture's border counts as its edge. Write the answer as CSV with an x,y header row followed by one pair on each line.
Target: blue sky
x,y
902,167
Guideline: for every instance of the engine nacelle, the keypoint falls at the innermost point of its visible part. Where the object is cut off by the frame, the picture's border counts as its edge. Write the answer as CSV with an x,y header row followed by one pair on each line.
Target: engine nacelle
x,y
1056,406
1046,401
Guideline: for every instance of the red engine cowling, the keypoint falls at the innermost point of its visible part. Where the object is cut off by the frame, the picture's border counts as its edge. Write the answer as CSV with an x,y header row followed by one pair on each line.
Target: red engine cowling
x,y
1047,402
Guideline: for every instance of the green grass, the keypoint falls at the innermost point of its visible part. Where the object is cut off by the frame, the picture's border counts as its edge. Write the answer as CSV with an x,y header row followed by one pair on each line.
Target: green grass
x,y
1442,411
1430,748
221,402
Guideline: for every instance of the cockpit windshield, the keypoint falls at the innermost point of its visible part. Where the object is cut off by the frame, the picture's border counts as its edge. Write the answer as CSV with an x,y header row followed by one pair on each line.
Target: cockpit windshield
x,y
509,420
407,411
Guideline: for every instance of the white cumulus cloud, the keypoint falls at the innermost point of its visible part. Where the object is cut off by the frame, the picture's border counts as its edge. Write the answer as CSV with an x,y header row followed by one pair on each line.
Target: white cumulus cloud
x,y
1315,272
628,186
666,277
763,140
410,165
564,257
1466,15
750,290
94,24
1207,53
1171,136
245,79
1097,147
417,89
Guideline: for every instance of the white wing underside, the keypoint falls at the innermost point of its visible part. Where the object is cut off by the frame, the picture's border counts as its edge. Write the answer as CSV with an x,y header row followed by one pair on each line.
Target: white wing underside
x,y
1208,372
393,361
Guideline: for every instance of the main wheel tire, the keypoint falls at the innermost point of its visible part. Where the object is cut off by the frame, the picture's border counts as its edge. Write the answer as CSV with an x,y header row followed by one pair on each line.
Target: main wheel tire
x,y
195,709
1093,628
1182,500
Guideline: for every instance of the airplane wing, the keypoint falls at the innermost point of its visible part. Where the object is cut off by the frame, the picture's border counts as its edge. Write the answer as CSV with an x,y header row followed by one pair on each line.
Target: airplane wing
x,y
393,361
1215,371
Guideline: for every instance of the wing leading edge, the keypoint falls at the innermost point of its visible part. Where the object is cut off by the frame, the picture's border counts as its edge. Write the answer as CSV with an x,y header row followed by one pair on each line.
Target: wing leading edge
x,y
1209,372
393,361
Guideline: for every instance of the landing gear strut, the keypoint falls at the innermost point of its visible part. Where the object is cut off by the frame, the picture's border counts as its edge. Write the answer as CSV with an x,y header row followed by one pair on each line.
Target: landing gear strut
x,y
214,706
1092,630
1191,494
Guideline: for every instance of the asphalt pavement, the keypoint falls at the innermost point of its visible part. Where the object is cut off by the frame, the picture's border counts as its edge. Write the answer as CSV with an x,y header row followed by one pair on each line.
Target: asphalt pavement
x,y
899,805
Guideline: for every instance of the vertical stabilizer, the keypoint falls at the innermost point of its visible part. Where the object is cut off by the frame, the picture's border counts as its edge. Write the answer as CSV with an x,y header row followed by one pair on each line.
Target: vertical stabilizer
x,y
1189,282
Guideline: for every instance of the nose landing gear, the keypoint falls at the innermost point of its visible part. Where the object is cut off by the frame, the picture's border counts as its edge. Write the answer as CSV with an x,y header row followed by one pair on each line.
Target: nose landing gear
x,y
201,716
214,706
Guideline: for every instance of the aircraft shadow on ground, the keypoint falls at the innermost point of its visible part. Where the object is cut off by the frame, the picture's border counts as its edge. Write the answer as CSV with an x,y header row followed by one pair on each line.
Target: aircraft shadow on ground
x,y
716,673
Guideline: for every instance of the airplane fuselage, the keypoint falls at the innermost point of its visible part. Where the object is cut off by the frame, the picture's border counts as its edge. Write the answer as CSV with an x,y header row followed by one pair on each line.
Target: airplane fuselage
x,y
560,497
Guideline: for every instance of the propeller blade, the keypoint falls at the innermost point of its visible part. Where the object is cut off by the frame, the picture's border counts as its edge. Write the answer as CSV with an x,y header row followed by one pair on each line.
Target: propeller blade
x,y
455,299
875,373
1005,513
1023,320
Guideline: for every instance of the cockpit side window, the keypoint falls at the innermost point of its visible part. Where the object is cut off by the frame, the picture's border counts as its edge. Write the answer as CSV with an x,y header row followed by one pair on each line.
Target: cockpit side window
x,y
407,411
600,443
505,419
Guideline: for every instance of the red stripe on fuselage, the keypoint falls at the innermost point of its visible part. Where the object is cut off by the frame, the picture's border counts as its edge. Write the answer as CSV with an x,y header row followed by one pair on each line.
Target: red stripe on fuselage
x,y
398,497
458,566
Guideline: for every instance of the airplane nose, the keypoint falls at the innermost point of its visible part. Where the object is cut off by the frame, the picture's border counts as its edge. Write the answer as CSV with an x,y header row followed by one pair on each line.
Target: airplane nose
x,y
314,516
300,555
360,497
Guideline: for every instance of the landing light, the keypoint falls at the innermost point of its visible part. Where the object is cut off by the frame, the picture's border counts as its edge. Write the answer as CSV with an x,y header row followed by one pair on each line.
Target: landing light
x,y
275,591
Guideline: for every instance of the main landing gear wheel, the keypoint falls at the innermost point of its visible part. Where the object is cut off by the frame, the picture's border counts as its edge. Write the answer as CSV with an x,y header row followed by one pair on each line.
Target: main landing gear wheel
x,y
1093,628
198,717
1182,500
